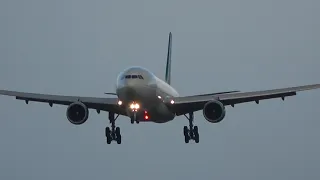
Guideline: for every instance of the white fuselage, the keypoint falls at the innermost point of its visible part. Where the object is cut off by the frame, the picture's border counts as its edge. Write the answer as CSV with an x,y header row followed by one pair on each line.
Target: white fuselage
x,y
139,85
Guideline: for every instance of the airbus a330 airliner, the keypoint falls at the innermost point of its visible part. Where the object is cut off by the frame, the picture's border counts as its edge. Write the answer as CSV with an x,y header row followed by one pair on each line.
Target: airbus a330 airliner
x,y
143,97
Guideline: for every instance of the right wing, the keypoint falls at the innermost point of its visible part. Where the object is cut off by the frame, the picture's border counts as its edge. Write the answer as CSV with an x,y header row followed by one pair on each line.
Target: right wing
x,y
103,104
184,105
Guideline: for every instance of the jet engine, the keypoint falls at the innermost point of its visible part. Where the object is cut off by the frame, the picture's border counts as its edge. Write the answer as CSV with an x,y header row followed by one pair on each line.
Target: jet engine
x,y
214,111
77,113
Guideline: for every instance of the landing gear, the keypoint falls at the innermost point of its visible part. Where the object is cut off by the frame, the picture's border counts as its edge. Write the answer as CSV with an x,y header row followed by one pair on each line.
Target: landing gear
x,y
191,133
113,134
134,118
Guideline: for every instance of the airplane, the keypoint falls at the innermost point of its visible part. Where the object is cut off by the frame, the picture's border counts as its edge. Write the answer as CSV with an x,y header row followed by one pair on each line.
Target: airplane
x,y
143,97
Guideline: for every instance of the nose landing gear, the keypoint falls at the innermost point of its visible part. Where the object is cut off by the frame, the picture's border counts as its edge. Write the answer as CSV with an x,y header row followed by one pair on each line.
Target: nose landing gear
x,y
113,134
190,133
134,118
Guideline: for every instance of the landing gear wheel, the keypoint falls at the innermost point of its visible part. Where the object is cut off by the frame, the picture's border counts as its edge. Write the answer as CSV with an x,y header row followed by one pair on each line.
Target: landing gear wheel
x,y
109,140
186,139
118,139
185,131
108,135
107,131
196,134
118,135
117,131
132,120
186,134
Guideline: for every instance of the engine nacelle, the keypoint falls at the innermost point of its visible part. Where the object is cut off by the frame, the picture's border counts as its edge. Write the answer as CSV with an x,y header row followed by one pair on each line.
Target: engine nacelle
x,y
214,111
77,113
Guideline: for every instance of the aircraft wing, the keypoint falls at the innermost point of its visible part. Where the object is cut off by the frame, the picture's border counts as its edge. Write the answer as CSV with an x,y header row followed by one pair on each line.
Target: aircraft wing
x,y
103,104
184,105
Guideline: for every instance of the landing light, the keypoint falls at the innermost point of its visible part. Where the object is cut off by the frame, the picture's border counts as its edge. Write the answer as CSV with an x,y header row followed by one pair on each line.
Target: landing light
x,y
172,101
134,106
159,97
119,103
146,117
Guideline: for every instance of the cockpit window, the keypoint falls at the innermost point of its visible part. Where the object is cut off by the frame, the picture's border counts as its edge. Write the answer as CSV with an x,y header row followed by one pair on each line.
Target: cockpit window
x,y
132,76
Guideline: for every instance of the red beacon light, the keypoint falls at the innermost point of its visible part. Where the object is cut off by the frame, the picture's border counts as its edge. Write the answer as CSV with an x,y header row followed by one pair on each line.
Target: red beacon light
x,y
146,116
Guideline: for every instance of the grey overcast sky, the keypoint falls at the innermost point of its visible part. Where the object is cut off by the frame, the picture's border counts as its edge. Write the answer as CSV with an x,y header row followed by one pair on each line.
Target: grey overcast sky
x,y
78,47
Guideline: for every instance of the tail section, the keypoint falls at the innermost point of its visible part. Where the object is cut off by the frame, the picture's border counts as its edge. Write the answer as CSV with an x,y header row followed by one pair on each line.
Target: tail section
x,y
168,66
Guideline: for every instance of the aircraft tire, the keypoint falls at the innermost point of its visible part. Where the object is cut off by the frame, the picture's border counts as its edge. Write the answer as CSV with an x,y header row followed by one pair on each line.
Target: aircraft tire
x,y
117,131
196,134
108,132
119,139
186,139
186,135
185,131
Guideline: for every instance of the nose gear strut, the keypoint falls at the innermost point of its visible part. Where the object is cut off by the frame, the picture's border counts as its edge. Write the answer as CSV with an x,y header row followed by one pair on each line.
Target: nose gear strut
x,y
113,134
134,118
192,132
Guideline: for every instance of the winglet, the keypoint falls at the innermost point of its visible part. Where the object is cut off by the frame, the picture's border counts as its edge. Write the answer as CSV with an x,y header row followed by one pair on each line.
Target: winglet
x,y
168,66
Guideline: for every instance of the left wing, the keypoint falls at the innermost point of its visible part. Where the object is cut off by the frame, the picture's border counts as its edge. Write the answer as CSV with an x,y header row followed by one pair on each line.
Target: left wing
x,y
103,104
184,105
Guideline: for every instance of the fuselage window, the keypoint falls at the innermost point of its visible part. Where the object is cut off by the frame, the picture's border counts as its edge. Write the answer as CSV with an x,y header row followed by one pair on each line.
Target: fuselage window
x,y
134,76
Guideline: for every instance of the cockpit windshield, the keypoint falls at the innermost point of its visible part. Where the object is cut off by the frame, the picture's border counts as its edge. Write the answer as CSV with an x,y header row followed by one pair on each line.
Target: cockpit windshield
x,y
132,77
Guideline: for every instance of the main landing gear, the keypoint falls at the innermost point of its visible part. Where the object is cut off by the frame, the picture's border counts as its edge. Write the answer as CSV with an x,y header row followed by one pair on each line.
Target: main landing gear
x,y
113,134
192,132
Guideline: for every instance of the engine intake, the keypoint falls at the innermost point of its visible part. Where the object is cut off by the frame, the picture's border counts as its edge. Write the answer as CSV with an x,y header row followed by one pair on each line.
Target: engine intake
x,y
77,113
214,111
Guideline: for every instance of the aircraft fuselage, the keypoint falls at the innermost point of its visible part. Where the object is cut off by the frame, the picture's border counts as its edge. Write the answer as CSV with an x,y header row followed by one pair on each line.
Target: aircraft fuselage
x,y
138,85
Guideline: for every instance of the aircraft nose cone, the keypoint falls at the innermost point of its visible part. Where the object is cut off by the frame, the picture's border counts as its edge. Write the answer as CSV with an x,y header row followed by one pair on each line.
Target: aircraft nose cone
x,y
127,93
130,84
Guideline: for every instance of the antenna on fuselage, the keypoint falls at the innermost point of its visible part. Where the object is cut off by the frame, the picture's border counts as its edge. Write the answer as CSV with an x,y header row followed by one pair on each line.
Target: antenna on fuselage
x,y
168,65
